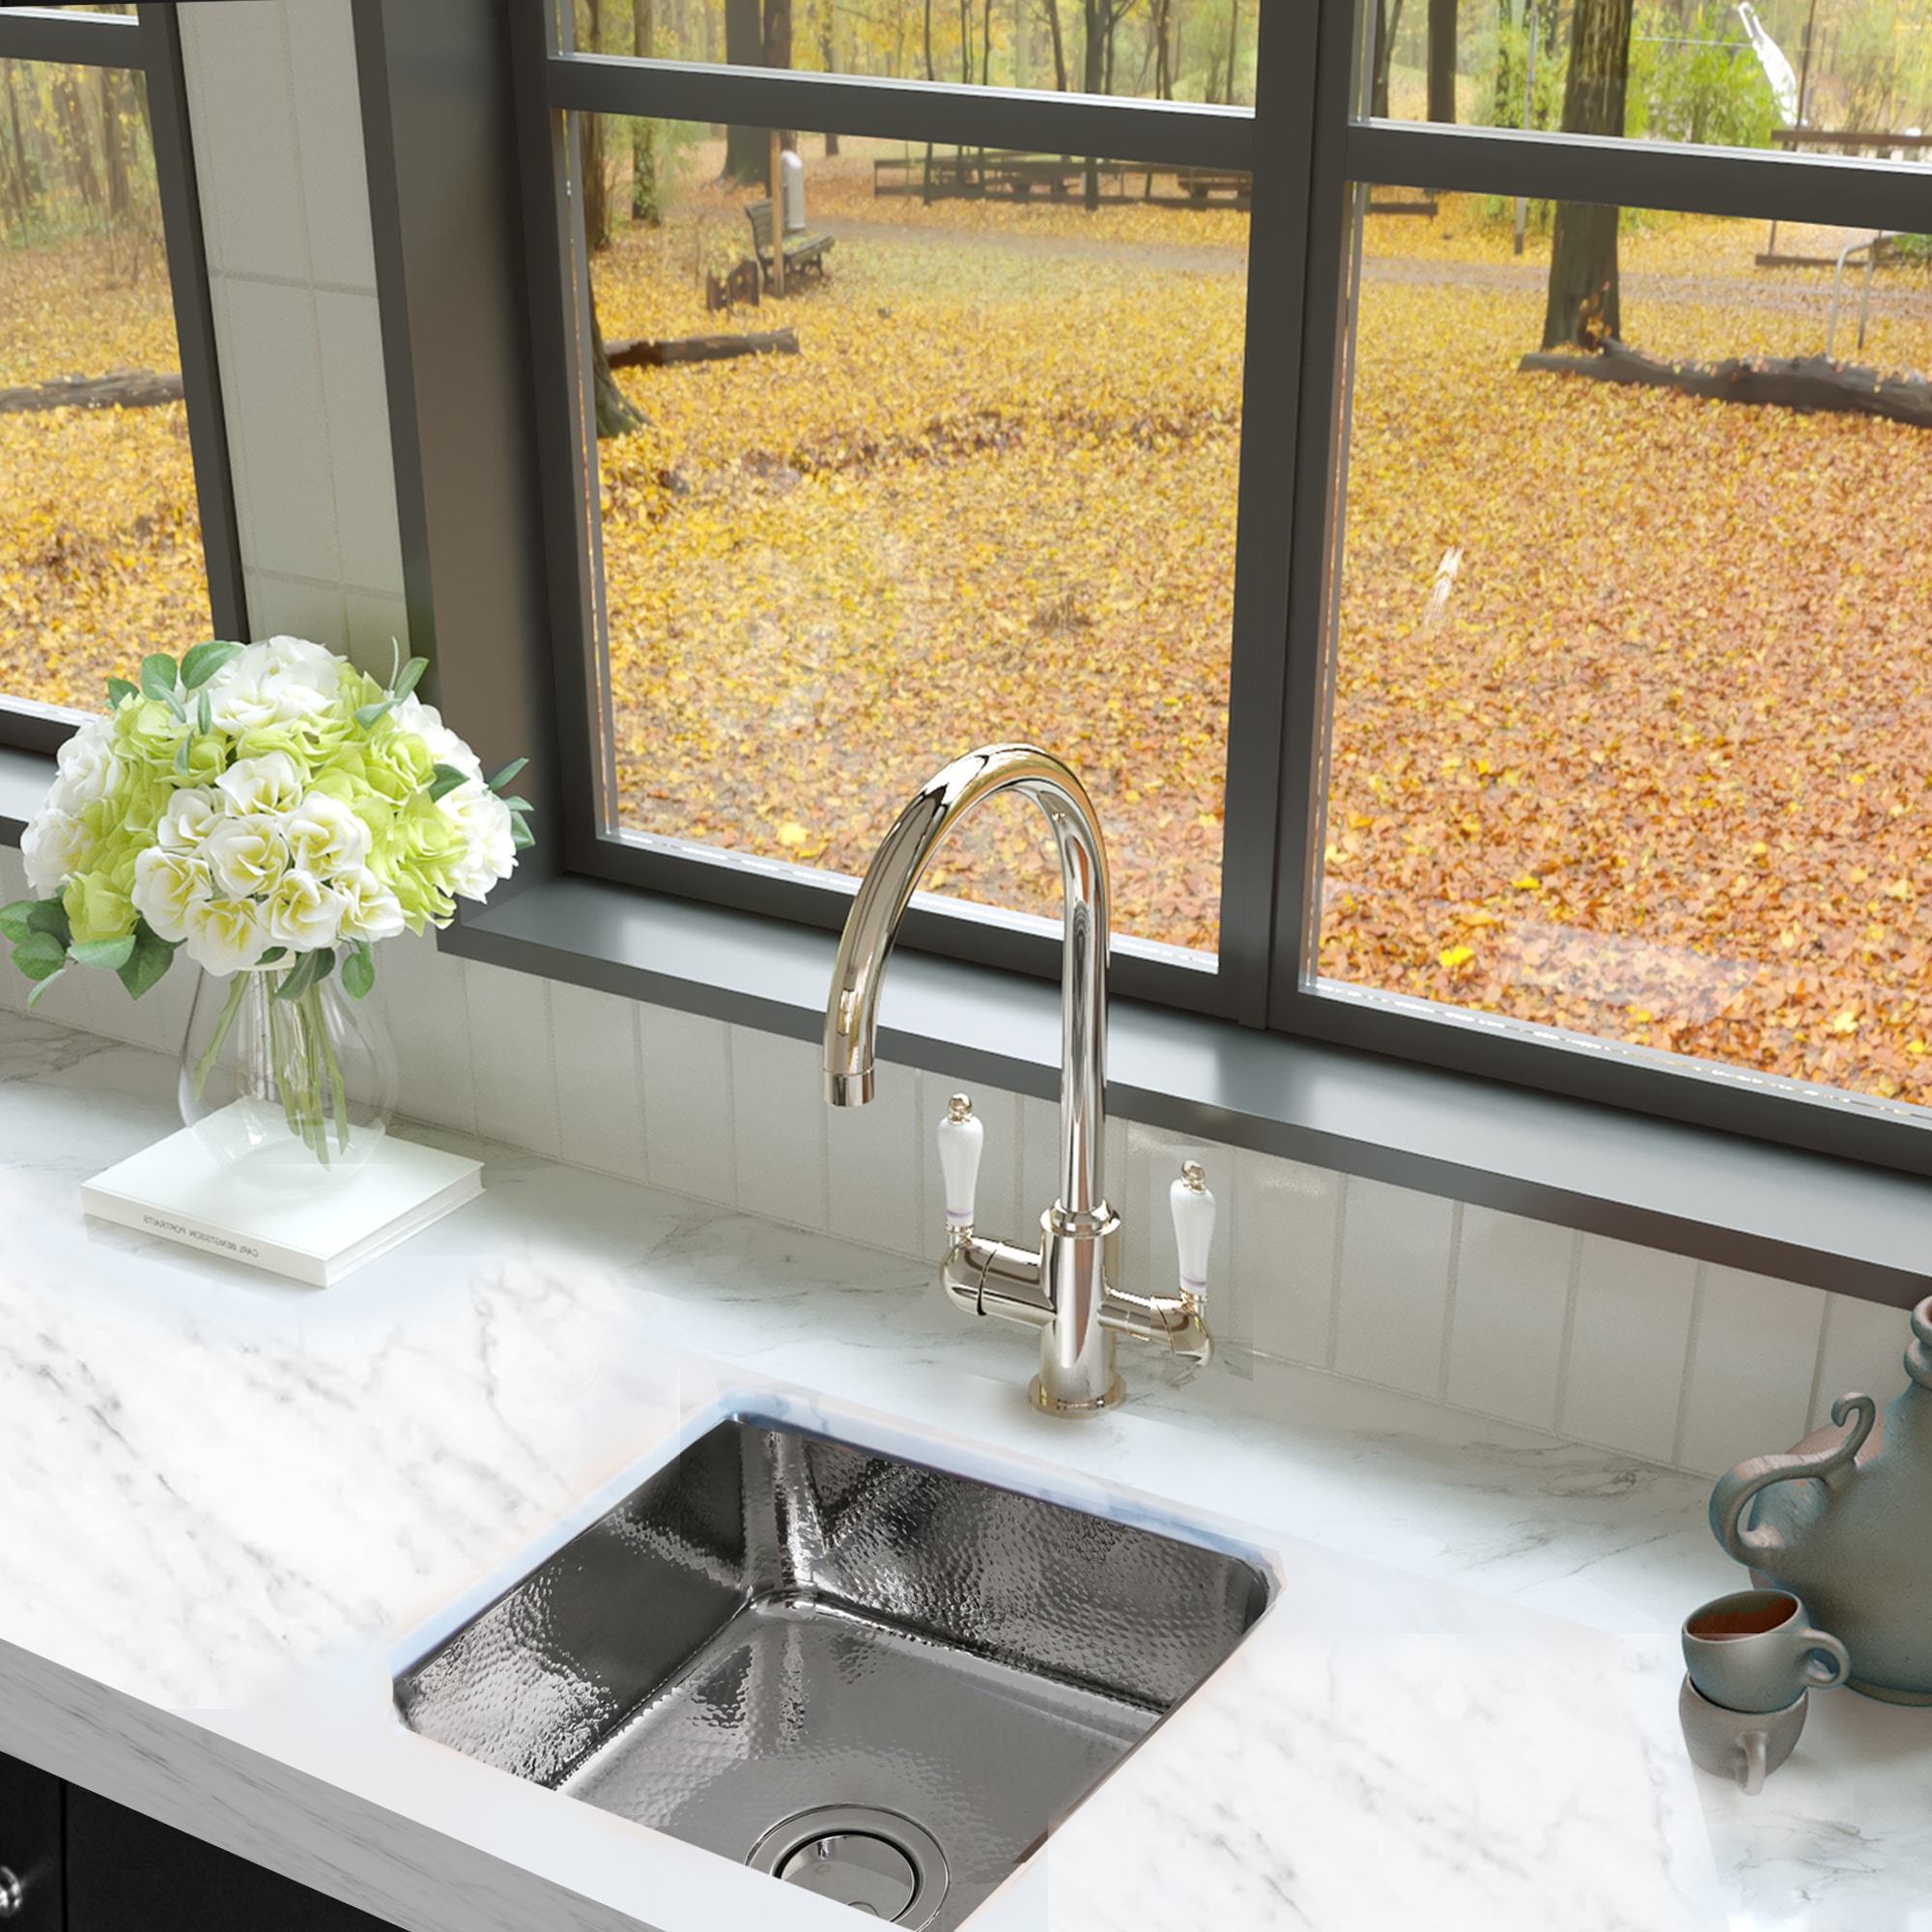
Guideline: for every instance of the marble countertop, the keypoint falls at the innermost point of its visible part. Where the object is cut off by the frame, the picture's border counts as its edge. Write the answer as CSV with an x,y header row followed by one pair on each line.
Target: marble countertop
x,y
231,1501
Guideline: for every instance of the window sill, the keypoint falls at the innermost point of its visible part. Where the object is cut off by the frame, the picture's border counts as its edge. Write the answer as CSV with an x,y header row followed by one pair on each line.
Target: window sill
x,y
1719,1197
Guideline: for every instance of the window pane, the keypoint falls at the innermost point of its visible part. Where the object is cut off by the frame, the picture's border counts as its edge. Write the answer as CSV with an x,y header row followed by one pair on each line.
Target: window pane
x,y
100,542
1156,50
990,496
1694,70
1631,684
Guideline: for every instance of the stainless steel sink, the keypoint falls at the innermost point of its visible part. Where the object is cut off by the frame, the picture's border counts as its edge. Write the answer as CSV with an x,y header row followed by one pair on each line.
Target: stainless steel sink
x,y
875,1680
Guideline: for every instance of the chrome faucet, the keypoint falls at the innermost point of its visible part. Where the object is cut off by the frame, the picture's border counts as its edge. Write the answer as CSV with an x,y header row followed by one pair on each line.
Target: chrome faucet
x,y
1062,1288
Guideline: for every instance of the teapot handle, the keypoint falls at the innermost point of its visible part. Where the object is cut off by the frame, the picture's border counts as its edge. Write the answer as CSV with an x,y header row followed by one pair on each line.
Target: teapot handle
x,y
1732,1496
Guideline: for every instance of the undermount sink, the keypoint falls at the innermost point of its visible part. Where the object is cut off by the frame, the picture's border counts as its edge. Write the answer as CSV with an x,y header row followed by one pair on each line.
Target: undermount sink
x,y
876,1679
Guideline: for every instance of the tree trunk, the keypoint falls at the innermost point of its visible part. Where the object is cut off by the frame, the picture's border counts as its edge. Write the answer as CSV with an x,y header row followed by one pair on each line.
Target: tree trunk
x,y
1388,24
1442,60
616,415
1234,38
828,59
1583,307
746,150
1059,46
76,142
1163,71
645,206
778,53
590,144
113,148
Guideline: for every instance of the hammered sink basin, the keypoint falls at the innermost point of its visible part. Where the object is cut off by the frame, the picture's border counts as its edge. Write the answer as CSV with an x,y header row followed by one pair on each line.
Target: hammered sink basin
x,y
875,1680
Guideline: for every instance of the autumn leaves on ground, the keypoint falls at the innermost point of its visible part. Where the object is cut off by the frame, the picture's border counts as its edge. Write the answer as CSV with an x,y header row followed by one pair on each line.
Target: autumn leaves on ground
x,y
1649,762
100,536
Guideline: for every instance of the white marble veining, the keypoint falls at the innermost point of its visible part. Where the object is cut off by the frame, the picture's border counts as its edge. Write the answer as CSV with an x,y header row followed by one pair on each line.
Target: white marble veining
x,y
232,1504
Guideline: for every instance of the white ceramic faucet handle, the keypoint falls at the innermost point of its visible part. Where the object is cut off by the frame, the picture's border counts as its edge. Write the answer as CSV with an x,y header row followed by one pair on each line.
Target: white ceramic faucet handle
x,y
961,1137
1193,1228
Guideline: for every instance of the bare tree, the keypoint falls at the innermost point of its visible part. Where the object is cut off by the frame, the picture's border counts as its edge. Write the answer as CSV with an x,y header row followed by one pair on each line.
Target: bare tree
x,y
1442,60
1583,306
828,51
1059,46
746,150
645,205
1388,24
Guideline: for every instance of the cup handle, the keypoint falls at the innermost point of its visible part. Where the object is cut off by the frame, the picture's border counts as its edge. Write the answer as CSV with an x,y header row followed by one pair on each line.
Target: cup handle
x,y
1750,1767
1818,1673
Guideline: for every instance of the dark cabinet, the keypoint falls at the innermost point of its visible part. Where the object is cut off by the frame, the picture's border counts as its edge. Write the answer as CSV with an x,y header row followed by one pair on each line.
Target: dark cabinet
x,y
85,1864
30,1848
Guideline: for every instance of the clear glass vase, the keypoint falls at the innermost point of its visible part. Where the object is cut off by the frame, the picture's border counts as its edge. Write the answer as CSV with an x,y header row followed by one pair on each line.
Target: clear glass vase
x,y
287,1091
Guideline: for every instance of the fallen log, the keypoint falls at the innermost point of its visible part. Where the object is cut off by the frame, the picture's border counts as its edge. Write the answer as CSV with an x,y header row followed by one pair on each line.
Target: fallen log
x,y
642,354
117,390
1789,381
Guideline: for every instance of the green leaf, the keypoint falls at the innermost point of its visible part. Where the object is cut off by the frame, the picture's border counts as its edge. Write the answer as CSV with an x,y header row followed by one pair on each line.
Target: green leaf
x,y
202,662
519,804
411,676
110,953
40,955
152,958
273,954
308,971
369,713
50,916
159,676
447,779
119,688
182,750
521,838
204,715
358,973
508,771
14,920
33,997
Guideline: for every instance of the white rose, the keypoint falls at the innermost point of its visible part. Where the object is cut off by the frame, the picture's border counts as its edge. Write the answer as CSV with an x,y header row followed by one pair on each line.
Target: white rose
x,y
491,851
224,935
191,814
445,748
52,846
324,836
166,886
273,683
87,766
246,855
370,909
303,913
269,783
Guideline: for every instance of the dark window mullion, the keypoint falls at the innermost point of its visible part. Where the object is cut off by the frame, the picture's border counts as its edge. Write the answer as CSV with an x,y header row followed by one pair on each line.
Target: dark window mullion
x,y
1760,184
1255,865
1176,133
194,319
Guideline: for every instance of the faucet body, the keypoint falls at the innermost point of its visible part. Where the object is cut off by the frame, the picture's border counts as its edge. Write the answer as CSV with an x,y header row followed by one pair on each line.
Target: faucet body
x,y
1060,1289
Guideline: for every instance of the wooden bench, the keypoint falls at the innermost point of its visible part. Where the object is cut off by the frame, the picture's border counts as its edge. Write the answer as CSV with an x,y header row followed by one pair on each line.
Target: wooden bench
x,y
807,251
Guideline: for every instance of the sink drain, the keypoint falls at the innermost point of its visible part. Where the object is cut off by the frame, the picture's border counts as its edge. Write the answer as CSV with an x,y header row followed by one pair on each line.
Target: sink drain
x,y
875,1861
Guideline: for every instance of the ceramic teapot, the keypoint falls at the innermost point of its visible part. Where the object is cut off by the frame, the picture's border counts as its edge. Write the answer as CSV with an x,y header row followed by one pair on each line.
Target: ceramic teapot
x,y
1845,1523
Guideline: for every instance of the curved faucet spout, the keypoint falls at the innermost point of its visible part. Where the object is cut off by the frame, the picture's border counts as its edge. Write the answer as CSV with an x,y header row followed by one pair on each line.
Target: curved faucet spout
x,y
851,1013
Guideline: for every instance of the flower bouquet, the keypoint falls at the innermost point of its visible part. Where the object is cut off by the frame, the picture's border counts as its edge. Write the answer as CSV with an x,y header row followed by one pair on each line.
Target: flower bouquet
x,y
273,812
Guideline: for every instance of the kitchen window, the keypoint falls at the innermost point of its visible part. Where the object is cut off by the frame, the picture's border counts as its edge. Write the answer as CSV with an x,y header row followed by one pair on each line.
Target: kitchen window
x,y
119,534
1479,711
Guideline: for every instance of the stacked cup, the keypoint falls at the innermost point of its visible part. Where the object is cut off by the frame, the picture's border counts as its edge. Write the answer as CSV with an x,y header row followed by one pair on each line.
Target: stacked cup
x,y
1752,1660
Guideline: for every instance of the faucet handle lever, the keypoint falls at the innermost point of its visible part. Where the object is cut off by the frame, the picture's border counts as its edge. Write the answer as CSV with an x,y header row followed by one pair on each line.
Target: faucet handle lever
x,y
1193,1209
962,1135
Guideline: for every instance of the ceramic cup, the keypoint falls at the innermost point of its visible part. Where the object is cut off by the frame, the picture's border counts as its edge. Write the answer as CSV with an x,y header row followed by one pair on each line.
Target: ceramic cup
x,y
1748,1746
1755,1649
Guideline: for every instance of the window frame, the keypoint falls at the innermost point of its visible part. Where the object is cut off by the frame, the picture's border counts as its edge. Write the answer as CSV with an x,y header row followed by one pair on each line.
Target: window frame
x,y
1305,148
149,43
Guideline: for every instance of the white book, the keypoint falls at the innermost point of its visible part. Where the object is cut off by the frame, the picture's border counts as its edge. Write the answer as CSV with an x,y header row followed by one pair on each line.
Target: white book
x,y
181,1190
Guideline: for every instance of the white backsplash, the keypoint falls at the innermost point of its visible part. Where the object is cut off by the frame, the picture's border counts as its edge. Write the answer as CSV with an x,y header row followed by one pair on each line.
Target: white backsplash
x,y
1671,1360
